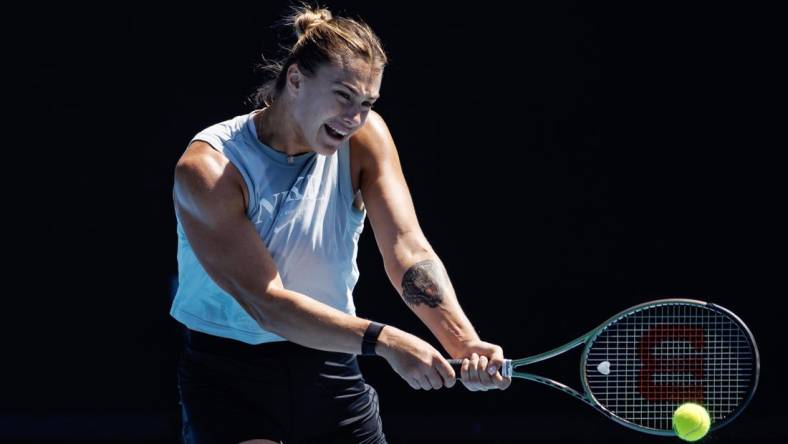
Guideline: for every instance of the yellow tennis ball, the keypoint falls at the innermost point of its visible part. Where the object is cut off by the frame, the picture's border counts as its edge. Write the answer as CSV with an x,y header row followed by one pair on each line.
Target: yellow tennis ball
x,y
691,421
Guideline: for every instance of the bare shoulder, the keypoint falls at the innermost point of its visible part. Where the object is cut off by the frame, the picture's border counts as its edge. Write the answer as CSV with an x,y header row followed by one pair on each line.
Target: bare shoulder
x,y
373,143
200,168
373,133
203,173
200,160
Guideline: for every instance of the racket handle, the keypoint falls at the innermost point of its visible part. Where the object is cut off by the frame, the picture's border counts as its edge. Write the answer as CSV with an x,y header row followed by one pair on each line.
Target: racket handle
x,y
506,371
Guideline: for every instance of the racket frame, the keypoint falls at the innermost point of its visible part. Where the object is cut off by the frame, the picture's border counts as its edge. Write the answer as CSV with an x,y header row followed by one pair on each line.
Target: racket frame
x,y
587,396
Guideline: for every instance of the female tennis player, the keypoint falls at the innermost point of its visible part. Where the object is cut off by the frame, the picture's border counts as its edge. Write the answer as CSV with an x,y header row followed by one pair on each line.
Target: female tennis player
x,y
269,208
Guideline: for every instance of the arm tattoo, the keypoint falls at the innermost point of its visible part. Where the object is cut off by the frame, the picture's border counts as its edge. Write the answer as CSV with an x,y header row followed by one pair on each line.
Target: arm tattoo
x,y
424,282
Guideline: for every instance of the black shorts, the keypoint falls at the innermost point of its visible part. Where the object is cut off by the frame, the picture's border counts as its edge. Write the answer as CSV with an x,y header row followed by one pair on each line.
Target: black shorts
x,y
231,391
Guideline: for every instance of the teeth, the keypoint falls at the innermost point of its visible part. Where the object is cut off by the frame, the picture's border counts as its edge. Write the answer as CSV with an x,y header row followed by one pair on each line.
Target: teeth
x,y
338,131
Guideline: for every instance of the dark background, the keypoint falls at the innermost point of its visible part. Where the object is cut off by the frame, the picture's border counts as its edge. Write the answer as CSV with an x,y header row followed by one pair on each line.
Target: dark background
x,y
566,162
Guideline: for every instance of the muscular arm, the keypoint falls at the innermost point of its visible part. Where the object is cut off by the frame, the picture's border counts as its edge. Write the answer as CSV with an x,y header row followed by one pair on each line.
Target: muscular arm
x,y
210,205
411,264
427,290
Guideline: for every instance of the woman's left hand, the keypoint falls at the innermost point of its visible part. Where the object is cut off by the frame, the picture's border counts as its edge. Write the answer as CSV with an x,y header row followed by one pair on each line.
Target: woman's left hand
x,y
480,364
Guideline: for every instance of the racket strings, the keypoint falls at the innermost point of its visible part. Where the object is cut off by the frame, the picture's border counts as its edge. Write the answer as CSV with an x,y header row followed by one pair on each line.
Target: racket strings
x,y
646,363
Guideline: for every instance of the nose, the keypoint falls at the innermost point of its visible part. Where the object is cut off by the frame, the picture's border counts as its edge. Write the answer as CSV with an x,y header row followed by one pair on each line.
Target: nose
x,y
352,118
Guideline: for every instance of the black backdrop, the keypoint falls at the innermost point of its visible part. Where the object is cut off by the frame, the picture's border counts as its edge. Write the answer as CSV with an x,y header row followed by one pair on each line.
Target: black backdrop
x,y
565,161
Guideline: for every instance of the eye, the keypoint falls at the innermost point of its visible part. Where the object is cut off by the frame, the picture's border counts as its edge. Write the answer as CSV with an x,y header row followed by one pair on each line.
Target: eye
x,y
347,97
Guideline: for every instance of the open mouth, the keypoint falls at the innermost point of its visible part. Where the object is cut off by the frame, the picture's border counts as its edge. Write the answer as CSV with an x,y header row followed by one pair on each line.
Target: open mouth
x,y
333,134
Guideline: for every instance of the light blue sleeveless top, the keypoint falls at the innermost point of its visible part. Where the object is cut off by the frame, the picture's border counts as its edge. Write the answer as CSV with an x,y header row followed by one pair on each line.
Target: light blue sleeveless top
x,y
302,208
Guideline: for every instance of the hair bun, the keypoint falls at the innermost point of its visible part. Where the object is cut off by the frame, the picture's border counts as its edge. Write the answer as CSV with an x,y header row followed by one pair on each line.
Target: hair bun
x,y
310,18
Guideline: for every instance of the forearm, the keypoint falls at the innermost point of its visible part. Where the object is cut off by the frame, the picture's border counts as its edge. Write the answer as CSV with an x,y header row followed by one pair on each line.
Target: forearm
x,y
446,321
424,285
305,321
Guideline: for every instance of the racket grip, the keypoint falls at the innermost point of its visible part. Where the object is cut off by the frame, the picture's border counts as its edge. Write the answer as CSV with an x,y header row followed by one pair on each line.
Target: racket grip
x,y
506,371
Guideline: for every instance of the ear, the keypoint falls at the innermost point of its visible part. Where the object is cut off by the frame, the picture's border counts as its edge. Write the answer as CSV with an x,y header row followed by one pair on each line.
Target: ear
x,y
294,79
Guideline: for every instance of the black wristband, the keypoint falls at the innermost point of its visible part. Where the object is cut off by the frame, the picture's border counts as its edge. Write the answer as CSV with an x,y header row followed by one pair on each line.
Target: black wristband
x,y
371,338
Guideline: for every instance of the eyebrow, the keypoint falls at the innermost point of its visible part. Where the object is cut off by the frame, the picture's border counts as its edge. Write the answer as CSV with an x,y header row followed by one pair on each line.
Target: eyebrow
x,y
353,89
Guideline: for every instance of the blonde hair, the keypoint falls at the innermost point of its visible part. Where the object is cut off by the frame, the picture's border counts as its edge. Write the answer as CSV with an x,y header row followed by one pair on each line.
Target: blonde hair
x,y
321,38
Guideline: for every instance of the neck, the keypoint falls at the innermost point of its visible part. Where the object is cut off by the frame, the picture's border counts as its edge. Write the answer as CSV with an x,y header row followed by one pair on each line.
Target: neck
x,y
276,128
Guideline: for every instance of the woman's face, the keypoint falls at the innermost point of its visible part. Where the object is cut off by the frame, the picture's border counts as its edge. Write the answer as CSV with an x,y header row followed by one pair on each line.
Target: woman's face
x,y
334,103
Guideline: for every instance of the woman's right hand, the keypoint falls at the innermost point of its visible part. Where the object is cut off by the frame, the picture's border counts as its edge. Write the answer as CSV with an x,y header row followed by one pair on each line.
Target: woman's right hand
x,y
415,360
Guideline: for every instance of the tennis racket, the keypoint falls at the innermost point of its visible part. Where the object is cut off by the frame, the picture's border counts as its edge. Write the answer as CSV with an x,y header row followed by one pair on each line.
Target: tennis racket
x,y
643,363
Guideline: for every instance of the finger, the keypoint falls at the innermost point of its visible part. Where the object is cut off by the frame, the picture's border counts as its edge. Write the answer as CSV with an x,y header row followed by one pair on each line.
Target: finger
x,y
484,377
434,379
502,383
499,381
413,384
424,383
447,373
473,371
465,372
496,361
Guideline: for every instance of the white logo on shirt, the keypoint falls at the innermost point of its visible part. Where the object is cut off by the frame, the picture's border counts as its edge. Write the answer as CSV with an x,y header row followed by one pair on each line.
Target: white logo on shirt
x,y
268,206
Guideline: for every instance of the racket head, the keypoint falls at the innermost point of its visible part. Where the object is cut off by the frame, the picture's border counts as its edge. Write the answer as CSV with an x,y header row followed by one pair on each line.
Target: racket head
x,y
646,361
